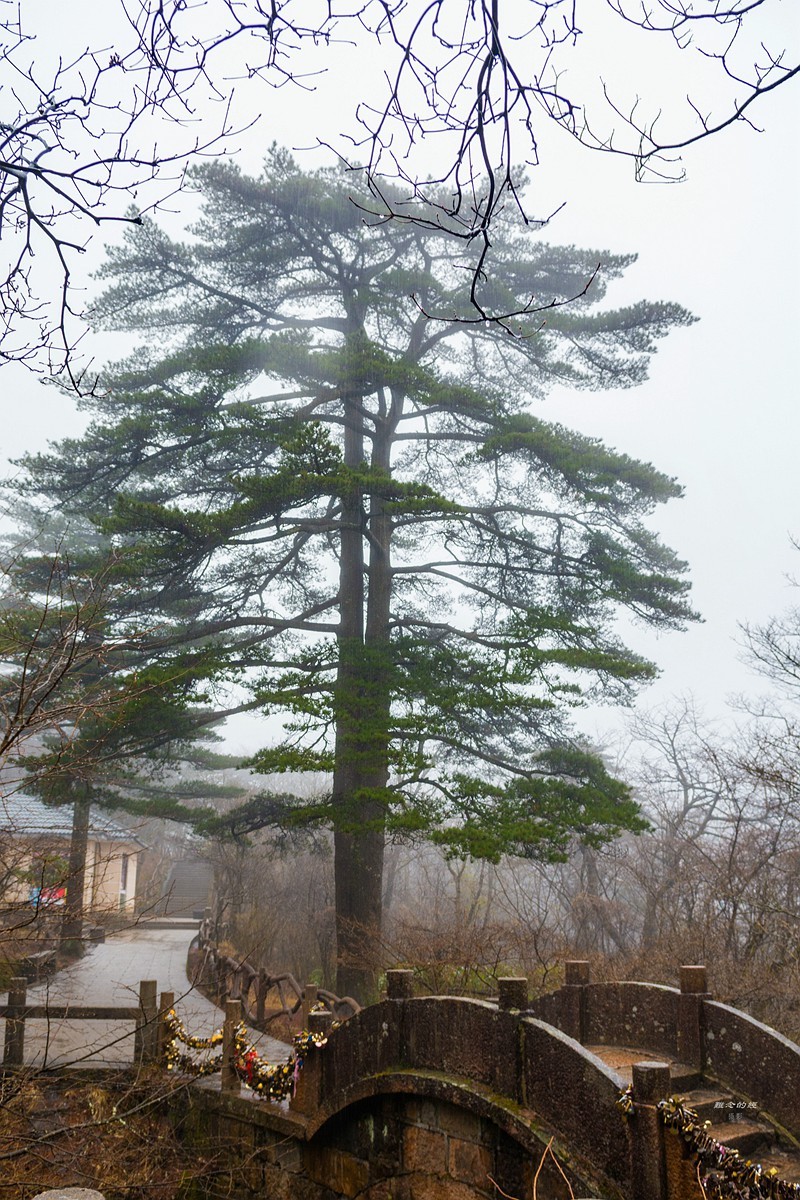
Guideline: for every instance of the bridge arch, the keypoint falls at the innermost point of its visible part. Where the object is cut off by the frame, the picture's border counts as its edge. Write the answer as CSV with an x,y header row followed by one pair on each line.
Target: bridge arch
x,y
517,1081
427,1138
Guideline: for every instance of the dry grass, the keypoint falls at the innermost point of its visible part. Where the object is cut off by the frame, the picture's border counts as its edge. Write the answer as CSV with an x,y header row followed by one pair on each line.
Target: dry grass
x,y
116,1136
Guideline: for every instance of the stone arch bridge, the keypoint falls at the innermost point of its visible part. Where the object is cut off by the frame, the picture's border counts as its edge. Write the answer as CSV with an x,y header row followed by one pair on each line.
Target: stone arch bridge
x,y
451,1099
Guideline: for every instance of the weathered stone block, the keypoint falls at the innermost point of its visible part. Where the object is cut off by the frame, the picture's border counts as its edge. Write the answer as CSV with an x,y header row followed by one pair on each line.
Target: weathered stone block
x,y
278,1185
424,1150
286,1155
342,1173
515,1170
70,1193
422,1112
470,1163
231,1132
433,1188
459,1123
251,1172
388,1189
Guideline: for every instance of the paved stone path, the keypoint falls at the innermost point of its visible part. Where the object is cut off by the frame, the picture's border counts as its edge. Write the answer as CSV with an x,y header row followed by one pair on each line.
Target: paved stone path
x,y
110,974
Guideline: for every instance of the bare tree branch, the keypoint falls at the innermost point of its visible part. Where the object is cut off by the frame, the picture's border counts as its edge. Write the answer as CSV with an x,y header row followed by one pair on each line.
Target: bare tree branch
x,y
481,84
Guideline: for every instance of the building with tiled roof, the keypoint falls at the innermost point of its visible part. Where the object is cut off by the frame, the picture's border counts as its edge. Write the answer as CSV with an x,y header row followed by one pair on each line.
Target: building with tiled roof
x,y
34,852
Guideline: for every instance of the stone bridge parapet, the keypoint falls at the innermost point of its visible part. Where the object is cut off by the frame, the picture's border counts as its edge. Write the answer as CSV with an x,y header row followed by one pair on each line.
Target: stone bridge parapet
x,y
444,1098
685,1025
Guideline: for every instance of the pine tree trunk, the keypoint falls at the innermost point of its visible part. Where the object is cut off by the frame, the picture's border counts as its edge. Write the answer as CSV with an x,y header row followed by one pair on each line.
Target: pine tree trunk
x,y
362,773
72,923
351,855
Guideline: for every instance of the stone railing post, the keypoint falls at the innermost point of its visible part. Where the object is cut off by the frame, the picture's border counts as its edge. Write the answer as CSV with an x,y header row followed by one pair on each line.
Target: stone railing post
x,y
575,998
512,993
261,997
14,1051
691,1016
308,1092
309,1000
220,970
145,1045
204,930
229,1081
651,1083
399,984
165,1003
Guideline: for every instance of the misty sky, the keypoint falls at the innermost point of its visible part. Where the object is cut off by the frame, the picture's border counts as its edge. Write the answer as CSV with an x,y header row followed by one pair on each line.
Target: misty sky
x,y
721,410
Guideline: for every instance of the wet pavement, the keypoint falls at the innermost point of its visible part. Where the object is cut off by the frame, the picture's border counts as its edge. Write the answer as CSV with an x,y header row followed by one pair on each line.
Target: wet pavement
x,y
110,974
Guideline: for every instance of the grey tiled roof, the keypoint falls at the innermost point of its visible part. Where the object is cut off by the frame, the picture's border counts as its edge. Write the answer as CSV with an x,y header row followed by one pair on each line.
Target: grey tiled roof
x,y
25,816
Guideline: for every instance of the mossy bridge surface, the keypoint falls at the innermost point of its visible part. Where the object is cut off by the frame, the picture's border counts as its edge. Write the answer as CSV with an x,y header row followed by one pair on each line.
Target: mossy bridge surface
x,y
445,1098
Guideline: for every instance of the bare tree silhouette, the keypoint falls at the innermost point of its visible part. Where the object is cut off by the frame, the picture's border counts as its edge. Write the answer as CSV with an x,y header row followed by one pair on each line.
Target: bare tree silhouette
x,y
82,137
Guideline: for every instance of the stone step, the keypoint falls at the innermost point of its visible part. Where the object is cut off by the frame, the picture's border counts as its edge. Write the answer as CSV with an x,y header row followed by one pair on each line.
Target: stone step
x,y
733,1121
747,1136
621,1059
710,1104
190,923
736,1123
786,1163
685,1079
187,889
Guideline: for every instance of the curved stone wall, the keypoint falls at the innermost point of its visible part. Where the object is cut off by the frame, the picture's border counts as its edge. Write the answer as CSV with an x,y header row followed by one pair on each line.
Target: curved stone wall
x,y
576,1093
754,1060
644,1015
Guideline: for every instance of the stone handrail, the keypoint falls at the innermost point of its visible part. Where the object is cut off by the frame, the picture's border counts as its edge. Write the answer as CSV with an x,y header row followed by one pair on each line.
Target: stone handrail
x,y
685,1024
754,1060
226,978
635,1014
576,1093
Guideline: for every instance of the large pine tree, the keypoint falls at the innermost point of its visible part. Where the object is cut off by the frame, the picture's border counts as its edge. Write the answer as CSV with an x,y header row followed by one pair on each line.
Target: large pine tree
x,y
317,464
